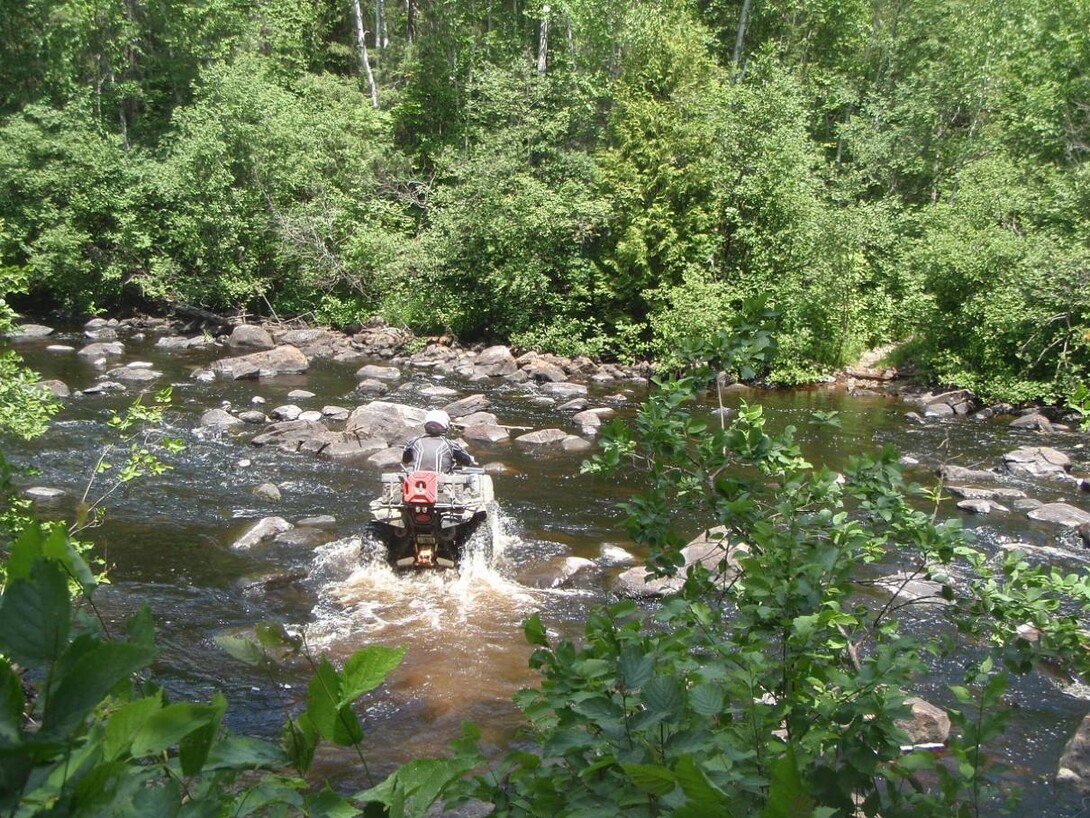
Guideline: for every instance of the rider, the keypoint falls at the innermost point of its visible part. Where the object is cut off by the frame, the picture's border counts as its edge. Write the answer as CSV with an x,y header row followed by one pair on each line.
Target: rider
x,y
433,451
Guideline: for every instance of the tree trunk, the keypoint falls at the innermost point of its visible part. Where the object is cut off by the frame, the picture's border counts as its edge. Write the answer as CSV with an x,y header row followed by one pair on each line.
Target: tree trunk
x,y
381,39
410,20
361,42
743,21
543,40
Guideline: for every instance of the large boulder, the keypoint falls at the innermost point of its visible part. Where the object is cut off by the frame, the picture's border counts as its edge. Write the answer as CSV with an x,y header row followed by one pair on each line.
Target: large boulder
x,y
251,335
102,350
928,724
281,360
1037,461
394,423
379,373
28,332
352,449
1061,513
712,549
496,362
291,435
1074,768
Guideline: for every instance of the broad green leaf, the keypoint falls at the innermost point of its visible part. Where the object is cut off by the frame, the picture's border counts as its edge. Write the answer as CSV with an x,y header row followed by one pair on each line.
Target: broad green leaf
x,y
701,794
334,721
124,724
416,785
366,669
34,615
25,550
662,694
193,747
170,725
535,631
299,740
328,804
707,699
244,753
651,778
140,627
787,794
86,682
635,667
599,709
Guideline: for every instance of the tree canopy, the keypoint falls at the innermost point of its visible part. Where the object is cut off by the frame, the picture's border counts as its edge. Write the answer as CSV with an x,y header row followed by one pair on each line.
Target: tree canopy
x,y
606,177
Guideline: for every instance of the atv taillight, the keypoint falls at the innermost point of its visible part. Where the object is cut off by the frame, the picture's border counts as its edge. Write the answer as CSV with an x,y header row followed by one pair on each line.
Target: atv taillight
x,y
423,517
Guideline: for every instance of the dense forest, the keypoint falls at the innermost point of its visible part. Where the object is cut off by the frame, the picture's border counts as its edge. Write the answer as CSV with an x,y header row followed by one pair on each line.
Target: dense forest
x,y
606,177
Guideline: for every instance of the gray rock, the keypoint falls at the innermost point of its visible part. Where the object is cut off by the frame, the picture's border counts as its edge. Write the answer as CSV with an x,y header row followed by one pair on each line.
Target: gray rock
x,y
106,348
28,332
574,443
938,410
103,387
478,418
615,555
288,411
981,506
564,390
43,493
466,407
300,394
711,549
960,474
575,405
1037,461
59,389
350,449
250,335
60,348
436,391
977,493
541,370
134,374
312,415
309,537
102,334
268,491
175,342
1034,421
1026,504
928,725
264,529
913,588
544,437
292,434
253,416
372,387
219,419
394,423
485,433
281,360
1061,513
496,362
1074,769
587,418
337,413
379,373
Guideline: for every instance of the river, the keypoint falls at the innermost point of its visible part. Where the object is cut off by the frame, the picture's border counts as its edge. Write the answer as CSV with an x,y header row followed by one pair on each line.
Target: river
x,y
167,541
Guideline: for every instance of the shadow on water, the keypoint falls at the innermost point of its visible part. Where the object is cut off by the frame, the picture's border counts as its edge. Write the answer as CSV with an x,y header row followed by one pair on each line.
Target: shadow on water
x,y
169,541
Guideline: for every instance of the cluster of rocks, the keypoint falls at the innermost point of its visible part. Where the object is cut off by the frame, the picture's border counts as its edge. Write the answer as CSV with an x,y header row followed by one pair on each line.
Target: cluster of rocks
x,y
965,403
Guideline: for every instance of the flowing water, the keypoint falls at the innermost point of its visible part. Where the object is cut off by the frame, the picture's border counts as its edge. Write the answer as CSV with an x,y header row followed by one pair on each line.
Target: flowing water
x,y
167,541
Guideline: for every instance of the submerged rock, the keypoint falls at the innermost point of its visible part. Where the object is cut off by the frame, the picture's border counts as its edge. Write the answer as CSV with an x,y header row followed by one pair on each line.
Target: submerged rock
x,y
264,529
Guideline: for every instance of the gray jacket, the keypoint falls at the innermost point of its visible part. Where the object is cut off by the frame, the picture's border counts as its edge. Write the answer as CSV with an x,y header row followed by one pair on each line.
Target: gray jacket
x,y
434,453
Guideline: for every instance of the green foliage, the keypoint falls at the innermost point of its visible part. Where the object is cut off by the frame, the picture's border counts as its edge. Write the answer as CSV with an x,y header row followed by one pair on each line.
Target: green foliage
x,y
83,731
768,686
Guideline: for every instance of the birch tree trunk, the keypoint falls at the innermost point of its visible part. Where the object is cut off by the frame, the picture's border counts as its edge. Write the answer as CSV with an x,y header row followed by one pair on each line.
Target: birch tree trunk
x,y
743,21
543,40
381,38
361,42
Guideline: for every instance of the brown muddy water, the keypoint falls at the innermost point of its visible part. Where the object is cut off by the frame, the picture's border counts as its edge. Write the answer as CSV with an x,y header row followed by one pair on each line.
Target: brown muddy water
x,y
167,540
